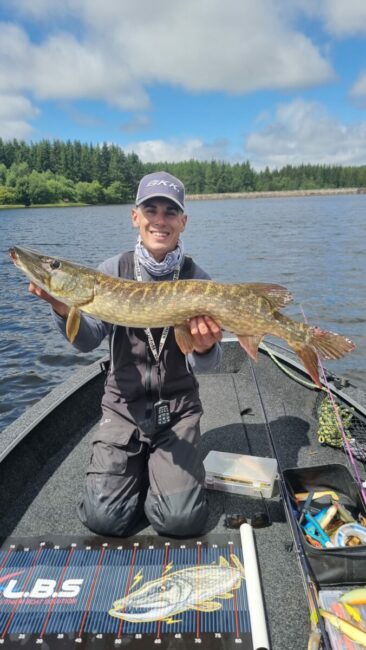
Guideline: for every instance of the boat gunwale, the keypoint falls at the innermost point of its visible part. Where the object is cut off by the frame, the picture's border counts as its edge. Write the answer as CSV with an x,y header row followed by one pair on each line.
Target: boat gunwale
x,y
15,433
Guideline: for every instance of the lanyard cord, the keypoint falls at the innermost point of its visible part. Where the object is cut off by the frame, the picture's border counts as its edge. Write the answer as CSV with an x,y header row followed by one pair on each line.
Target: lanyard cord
x,y
154,351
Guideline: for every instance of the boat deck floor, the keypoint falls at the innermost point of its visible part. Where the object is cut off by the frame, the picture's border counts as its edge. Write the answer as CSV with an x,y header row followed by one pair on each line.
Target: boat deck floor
x,y
233,421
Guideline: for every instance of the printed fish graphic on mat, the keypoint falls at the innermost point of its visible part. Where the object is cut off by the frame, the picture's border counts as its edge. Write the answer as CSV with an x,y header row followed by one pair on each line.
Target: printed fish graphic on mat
x,y
195,587
251,311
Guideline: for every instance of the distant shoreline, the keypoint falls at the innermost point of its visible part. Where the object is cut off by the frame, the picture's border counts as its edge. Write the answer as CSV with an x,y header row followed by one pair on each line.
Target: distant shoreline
x,y
19,206
211,197
275,194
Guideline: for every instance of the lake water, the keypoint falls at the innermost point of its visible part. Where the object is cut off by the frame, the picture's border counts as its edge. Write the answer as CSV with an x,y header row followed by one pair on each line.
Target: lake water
x,y
315,246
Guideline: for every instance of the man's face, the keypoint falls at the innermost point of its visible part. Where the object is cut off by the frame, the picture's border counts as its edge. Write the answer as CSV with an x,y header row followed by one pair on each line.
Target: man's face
x,y
160,223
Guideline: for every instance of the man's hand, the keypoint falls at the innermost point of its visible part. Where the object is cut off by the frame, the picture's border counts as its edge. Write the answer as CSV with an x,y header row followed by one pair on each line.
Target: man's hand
x,y
205,332
59,307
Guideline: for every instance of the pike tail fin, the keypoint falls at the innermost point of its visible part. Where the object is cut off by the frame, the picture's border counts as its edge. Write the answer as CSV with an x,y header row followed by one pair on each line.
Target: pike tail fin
x,y
330,345
323,344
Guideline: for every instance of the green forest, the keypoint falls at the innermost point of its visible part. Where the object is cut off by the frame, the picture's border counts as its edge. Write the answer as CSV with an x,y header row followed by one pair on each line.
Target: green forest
x,y
56,172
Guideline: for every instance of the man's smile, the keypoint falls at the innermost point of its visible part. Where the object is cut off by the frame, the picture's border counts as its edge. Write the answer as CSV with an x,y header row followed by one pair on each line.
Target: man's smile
x,y
159,233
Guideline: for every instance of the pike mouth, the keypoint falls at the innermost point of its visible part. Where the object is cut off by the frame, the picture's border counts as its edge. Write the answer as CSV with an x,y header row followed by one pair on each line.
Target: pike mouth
x,y
13,254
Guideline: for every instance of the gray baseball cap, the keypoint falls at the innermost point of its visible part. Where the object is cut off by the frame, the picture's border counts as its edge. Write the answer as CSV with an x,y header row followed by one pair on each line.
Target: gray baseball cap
x,y
161,184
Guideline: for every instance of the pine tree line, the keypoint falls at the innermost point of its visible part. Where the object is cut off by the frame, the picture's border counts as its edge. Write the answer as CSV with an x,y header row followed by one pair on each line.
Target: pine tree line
x,y
56,171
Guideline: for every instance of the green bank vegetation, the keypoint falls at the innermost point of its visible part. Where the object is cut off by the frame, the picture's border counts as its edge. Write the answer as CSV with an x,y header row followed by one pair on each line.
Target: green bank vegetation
x,y
72,173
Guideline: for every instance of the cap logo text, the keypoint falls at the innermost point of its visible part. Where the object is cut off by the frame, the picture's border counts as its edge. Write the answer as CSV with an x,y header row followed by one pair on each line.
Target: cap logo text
x,y
165,183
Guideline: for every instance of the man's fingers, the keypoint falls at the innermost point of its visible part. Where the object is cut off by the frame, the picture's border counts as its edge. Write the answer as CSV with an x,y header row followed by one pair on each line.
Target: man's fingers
x,y
34,289
193,326
212,325
37,291
198,326
205,327
202,326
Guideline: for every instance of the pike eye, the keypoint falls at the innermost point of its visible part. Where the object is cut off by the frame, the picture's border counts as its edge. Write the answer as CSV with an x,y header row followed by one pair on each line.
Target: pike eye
x,y
54,264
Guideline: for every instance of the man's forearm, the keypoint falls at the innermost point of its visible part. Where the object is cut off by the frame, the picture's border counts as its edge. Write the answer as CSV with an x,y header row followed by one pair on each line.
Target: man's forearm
x,y
204,362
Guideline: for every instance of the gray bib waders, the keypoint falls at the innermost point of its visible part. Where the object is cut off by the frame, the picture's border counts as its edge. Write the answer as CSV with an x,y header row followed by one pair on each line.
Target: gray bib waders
x,y
135,467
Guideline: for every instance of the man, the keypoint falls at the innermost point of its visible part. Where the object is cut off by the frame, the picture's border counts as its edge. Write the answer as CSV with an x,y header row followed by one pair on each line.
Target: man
x,y
145,447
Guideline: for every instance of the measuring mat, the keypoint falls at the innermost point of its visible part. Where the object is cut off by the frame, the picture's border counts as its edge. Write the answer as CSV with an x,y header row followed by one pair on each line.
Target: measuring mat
x,y
145,593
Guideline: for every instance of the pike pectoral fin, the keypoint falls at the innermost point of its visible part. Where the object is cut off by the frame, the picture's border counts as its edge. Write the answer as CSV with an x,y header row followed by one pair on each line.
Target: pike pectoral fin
x,y
184,338
73,324
250,345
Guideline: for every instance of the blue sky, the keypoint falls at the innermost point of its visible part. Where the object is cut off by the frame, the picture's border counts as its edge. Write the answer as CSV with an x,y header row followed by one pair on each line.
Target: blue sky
x,y
274,82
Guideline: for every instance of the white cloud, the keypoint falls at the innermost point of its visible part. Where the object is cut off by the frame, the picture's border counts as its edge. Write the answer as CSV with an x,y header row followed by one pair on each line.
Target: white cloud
x,y
234,47
18,129
13,105
122,48
299,132
15,113
178,150
114,51
63,68
341,18
345,17
305,132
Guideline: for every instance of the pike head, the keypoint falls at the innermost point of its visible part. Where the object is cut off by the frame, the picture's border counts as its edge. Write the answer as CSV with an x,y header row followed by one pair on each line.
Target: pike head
x,y
71,283
156,600
194,587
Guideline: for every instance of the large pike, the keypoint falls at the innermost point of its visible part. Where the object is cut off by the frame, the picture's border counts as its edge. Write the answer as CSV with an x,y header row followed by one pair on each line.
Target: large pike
x,y
248,310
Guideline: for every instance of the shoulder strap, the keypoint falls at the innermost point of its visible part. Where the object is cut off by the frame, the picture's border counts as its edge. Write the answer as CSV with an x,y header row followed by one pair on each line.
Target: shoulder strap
x,y
126,266
187,268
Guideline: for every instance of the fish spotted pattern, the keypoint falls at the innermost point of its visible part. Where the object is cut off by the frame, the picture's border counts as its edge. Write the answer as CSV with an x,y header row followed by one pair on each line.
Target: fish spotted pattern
x,y
251,310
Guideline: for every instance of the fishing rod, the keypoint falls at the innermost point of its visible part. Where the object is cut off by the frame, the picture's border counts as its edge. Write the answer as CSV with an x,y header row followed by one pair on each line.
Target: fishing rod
x,y
316,621
347,447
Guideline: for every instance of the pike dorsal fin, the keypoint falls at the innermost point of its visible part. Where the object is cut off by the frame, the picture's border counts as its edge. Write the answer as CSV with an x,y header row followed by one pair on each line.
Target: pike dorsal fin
x,y
277,295
235,560
223,562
